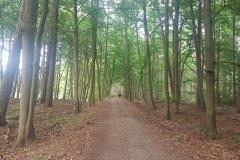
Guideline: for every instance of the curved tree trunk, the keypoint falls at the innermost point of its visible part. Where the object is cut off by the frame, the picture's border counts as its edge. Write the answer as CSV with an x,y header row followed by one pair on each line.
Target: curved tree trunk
x,y
11,70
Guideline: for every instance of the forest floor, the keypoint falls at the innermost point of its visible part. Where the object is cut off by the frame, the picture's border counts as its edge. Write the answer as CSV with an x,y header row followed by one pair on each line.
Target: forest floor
x,y
117,129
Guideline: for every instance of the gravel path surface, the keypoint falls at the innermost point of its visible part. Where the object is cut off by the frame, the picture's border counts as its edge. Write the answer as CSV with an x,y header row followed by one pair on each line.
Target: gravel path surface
x,y
123,134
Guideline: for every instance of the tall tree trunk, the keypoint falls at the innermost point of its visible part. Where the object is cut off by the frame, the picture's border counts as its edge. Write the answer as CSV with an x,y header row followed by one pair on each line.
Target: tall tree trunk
x,y
99,80
2,44
238,93
209,65
49,93
175,53
148,54
19,85
94,18
66,81
218,72
171,79
127,67
103,94
14,88
76,61
45,74
43,63
234,68
71,82
140,84
58,77
197,41
166,59
29,18
11,69
30,135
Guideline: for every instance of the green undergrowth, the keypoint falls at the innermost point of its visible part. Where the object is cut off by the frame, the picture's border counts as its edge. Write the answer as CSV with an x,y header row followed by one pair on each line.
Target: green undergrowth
x,y
228,107
176,138
214,137
12,116
234,141
53,120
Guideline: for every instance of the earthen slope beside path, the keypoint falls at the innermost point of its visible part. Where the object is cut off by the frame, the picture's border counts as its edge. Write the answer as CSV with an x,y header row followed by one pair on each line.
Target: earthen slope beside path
x,y
123,134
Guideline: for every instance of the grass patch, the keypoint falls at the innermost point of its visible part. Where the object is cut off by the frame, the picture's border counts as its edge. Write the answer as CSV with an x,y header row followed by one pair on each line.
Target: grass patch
x,y
228,107
234,140
214,137
176,138
12,117
53,123
15,108
38,157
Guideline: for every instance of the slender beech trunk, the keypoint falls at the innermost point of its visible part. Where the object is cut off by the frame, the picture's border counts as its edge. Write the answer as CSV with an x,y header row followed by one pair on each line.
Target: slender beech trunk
x,y
45,74
166,59
99,80
209,65
127,73
19,85
103,95
77,108
29,18
140,84
66,81
49,93
175,53
30,135
14,88
58,77
238,93
218,72
197,41
2,46
11,69
234,68
71,81
148,55
43,62
94,17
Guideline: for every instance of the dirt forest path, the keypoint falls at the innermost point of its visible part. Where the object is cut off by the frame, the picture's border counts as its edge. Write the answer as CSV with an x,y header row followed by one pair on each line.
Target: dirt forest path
x,y
123,134
117,129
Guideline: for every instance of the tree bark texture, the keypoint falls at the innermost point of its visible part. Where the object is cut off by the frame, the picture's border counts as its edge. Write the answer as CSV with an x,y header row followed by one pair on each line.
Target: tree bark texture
x,y
209,65
45,74
49,93
234,68
166,59
94,18
176,53
148,55
28,23
30,135
77,108
197,43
